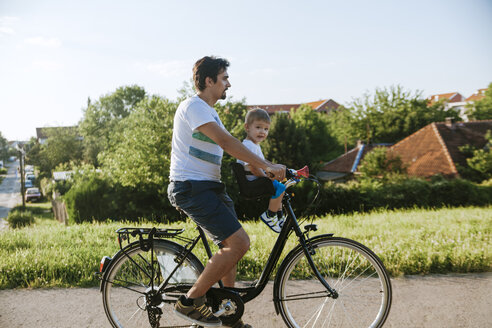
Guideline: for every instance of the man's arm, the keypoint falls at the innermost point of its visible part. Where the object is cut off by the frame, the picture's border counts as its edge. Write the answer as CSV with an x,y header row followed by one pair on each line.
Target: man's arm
x,y
235,148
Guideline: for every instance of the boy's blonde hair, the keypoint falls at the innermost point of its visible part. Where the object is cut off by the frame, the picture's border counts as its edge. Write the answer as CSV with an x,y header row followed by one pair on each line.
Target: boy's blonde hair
x,y
257,114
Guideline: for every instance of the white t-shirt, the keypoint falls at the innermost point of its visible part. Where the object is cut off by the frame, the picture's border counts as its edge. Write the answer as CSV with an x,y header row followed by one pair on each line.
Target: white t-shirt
x,y
256,149
194,156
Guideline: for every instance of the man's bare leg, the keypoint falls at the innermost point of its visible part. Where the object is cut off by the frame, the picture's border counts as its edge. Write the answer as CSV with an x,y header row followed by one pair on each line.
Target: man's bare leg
x,y
230,279
223,261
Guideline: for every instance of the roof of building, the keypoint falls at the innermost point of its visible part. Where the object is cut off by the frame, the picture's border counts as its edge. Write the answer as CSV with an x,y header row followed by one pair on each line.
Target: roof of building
x,y
449,97
349,162
480,94
434,149
324,105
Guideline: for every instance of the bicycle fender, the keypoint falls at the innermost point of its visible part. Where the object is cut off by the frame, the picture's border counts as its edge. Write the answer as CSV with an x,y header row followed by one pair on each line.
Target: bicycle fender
x,y
286,260
110,264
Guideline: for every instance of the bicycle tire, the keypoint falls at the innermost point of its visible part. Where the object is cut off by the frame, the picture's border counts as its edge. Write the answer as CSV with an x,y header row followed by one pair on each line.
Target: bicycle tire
x,y
352,269
128,278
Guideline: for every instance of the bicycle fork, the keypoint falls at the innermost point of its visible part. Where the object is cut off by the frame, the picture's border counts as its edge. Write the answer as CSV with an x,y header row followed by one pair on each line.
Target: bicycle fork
x,y
308,251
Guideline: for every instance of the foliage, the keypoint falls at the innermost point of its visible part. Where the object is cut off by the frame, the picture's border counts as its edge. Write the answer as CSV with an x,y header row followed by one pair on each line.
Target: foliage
x,y
340,123
481,109
63,146
90,198
19,219
387,116
49,254
101,118
3,170
303,138
397,192
479,161
4,148
140,152
381,163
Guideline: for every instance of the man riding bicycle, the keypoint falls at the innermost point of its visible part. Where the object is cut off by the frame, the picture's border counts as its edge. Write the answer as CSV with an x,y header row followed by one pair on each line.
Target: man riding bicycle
x,y
199,139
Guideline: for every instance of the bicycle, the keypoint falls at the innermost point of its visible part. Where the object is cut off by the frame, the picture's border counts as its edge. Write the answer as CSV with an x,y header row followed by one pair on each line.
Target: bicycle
x,y
324,281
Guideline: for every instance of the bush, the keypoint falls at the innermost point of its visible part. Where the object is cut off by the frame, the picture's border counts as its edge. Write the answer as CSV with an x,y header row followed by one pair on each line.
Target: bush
x,y
19,219
3,170
95,197
395,193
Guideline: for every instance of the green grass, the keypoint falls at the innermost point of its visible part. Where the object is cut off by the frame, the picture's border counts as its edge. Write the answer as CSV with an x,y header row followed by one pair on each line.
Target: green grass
x,y
416,241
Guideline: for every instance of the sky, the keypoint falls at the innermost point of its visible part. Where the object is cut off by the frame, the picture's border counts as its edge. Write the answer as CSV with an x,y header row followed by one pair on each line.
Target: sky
x,y
55,54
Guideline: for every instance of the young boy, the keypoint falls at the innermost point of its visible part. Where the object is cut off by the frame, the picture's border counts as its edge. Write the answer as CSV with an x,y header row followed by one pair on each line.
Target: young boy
x,y
257,124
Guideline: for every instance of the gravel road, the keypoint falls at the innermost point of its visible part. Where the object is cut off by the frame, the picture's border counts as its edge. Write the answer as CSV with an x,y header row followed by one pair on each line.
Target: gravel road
x,y
419,301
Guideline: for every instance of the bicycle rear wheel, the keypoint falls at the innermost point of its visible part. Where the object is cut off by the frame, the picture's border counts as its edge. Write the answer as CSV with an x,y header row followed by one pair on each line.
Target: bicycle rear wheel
x,y
352,269
127,286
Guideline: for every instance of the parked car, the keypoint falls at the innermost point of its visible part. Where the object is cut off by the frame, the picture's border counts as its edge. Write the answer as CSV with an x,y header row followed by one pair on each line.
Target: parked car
x,y
33,194
29,169
28,184
30,176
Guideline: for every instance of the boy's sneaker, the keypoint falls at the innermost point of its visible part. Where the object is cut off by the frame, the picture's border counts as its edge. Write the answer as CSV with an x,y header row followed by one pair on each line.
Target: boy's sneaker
x,y
272,221
197,313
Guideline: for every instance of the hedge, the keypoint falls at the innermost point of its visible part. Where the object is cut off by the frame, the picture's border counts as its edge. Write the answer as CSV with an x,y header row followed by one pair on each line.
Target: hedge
x,y
97,199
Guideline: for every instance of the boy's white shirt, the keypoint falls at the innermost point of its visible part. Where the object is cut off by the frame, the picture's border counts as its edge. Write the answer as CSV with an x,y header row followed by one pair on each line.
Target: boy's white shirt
x,y
256,149
192,158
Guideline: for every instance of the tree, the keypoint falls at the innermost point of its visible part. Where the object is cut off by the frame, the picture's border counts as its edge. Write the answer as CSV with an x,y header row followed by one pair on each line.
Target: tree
x,y
481,109
63,146
4,148
479,161
301,139
392,114
101,118
139,153
381,163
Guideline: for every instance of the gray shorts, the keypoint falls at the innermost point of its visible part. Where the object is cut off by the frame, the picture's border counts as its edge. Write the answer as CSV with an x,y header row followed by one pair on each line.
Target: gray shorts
x,y
208,205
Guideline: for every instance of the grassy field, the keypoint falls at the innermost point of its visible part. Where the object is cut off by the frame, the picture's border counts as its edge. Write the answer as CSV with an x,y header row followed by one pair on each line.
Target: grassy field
x,y
416,241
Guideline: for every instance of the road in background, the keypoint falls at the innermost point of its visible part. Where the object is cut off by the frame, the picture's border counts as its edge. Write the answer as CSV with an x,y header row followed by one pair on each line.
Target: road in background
x,y
9,192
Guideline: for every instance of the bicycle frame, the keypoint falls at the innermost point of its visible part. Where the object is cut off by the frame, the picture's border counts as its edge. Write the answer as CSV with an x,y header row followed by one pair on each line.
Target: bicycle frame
x,y
249,293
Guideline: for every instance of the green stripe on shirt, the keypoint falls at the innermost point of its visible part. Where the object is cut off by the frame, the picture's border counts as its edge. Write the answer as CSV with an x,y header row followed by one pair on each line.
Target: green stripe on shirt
x,y
202,137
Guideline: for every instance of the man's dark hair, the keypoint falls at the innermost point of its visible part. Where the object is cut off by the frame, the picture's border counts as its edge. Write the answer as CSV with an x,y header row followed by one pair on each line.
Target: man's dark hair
x,y
208,66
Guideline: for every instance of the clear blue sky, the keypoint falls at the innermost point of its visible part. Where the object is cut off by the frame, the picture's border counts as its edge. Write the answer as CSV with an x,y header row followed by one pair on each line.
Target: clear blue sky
x,y
56,54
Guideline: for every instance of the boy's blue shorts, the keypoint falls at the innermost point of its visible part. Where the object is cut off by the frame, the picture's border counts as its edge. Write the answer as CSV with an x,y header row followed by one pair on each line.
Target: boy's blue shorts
x,y
208,205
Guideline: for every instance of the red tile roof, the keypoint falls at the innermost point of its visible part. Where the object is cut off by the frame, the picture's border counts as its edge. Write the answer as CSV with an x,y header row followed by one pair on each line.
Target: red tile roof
x,y
449,97
321,105
480,94
434,149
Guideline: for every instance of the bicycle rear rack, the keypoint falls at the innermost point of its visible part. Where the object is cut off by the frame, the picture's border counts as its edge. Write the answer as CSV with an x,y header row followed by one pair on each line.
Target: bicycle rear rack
x,y
126,234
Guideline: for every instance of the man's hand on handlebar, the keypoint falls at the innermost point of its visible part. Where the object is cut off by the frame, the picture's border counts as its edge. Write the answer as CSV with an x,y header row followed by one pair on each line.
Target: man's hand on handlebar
x,y
276,171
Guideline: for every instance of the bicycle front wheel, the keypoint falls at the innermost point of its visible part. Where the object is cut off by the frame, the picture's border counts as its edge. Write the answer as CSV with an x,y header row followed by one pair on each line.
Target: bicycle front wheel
x,y
353,270
132,281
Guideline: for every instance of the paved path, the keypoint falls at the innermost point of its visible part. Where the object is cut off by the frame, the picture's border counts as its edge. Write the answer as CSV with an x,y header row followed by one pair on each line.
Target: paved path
x,y
9,192
418,301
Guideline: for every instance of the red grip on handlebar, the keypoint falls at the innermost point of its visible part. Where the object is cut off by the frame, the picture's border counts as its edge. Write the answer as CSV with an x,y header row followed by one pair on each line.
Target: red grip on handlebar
x,y
303,172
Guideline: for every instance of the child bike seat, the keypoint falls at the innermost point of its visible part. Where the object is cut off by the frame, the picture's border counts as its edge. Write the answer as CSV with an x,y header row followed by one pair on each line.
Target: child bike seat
x,y
258,188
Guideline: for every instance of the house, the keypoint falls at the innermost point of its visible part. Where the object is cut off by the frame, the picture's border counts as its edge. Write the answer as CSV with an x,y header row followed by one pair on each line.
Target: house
x,y
322,106
479,95
345,166
456,101
43,133
452,100
434,149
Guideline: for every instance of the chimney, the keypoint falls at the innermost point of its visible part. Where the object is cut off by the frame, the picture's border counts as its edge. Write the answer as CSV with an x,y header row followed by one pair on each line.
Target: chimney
x,y
449,122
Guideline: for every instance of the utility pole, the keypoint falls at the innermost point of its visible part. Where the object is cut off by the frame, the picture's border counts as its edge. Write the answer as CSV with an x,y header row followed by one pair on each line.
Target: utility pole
x,y
21,171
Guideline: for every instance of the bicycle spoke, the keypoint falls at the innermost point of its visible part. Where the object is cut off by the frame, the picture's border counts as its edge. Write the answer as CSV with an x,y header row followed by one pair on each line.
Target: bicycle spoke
x,y
360,280
131,286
